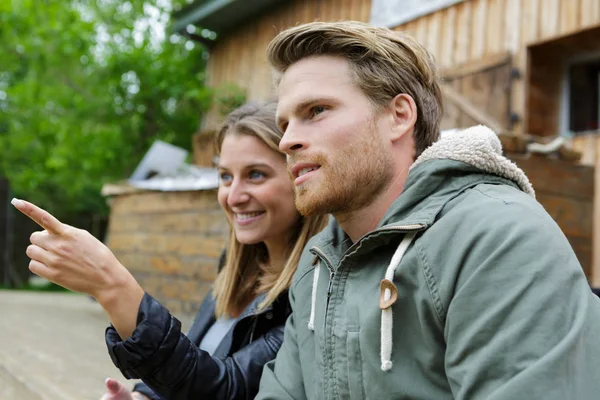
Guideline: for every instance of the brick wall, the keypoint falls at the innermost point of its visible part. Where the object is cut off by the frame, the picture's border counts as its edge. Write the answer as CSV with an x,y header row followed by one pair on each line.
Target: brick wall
x,y
171,242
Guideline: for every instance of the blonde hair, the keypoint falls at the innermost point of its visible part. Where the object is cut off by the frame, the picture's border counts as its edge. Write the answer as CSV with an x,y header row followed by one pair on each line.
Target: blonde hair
x,y
246,272
384,64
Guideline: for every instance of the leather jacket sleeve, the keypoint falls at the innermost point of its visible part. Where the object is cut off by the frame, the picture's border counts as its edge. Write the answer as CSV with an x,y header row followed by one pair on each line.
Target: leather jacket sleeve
x,y
175,368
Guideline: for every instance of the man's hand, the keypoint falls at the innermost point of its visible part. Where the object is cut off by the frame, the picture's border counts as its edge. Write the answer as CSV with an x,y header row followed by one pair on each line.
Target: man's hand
x,y
117,391
76,260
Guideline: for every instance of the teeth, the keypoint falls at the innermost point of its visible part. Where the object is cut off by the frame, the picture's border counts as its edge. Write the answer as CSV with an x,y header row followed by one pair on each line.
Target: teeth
x,y
242,217
305,171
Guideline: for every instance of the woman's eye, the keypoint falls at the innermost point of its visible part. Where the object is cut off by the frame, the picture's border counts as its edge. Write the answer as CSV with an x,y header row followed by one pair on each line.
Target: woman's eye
x,y
225,178
254,175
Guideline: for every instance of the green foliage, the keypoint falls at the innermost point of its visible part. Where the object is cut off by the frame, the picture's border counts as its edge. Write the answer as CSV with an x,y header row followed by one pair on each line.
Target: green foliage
x,y
85,88
228,97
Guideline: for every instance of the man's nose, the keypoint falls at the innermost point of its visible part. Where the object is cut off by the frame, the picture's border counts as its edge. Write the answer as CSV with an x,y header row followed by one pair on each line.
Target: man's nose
x,y
292,140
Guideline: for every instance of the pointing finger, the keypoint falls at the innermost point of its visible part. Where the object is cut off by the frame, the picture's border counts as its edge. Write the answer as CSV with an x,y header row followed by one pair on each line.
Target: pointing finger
x,y
42,217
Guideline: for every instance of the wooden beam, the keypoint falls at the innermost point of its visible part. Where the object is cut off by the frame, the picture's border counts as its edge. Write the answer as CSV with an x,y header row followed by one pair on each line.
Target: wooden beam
x,y
483,64
464,105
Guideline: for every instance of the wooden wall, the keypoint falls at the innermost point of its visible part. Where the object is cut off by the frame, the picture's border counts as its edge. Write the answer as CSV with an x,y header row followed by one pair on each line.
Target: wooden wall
x,y
474,30
239,57
570,203
492,40
171,242
589,146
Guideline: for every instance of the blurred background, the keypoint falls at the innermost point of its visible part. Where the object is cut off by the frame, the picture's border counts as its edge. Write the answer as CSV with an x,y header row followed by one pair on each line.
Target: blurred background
x,y
108,110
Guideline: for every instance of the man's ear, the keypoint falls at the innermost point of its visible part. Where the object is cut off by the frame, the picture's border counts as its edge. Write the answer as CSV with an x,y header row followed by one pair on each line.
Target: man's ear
x,y
403,116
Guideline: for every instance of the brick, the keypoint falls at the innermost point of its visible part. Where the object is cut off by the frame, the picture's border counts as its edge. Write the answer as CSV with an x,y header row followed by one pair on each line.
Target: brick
x,y
179,244
193,245
209,222
158,202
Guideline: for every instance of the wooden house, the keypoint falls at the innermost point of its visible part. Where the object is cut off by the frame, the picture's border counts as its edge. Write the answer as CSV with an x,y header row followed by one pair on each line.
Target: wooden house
x,y
530,69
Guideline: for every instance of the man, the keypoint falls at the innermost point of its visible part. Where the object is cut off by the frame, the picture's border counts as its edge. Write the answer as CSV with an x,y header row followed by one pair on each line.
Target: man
x,y
440,276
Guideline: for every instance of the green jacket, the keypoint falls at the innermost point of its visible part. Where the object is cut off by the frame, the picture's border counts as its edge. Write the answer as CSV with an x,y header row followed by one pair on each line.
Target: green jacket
x,y
492,302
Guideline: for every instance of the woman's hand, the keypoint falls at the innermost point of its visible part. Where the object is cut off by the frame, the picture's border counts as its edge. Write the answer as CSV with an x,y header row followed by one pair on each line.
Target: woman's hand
x,y
117,391
76,260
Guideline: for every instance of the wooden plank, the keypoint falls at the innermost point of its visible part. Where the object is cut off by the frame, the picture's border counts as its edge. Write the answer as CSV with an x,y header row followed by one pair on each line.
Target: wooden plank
x,y
586,145
470,109
530,21
408,28
421,31
574,216
512,27
478,35
463,31
365,14
596,236
494,36
575,181
434,26
549,13
586,17
595,11
448,38
568,16
473,67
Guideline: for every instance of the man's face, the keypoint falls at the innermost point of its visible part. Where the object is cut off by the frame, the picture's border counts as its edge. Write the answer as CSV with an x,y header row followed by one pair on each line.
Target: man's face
x,y
338,157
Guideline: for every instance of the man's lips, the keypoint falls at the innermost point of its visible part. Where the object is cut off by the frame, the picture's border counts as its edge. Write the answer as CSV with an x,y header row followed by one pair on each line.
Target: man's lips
x,y
301,169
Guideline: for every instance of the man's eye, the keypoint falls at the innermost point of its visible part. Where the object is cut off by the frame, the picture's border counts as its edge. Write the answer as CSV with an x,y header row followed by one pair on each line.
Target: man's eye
x,y
316,110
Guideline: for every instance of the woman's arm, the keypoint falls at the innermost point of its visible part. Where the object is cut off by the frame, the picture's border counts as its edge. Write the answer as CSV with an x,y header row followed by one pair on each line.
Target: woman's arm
x,y
76,260
175,368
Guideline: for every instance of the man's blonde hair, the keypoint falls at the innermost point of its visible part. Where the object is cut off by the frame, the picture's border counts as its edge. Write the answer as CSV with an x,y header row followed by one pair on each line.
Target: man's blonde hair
x,y
384,64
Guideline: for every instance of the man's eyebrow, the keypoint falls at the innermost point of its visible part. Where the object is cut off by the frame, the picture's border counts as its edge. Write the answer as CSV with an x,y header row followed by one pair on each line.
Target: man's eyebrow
x,y
303,105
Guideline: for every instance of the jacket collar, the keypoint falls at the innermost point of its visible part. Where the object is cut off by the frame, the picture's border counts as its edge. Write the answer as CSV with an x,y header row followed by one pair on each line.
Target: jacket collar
x,y
446,169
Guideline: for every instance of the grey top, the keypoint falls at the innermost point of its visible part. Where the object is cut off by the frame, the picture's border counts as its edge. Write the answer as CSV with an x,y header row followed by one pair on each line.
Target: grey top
x,y
215,334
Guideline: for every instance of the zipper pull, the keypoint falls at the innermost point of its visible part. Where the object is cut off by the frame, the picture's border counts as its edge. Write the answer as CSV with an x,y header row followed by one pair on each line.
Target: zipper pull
x,y
331,275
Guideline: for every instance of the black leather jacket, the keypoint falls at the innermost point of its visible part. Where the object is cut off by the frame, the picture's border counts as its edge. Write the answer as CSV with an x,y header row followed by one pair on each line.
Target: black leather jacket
x,y
172,365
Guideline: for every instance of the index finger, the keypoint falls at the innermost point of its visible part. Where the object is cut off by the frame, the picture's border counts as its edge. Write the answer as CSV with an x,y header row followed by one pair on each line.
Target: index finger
x,y
42,217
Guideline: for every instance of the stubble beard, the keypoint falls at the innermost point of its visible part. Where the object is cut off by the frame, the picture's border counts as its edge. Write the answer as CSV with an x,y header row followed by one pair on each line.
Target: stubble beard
x,y
350,181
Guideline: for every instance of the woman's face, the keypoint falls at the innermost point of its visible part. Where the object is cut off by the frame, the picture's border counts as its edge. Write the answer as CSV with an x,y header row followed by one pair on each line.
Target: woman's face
x,y
255,191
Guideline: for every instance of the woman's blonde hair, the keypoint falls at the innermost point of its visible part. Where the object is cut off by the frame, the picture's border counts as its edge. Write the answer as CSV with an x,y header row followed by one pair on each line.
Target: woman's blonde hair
x,y
246,272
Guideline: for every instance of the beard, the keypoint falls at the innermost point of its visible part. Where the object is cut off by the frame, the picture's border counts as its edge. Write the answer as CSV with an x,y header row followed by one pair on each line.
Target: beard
x,y
350,180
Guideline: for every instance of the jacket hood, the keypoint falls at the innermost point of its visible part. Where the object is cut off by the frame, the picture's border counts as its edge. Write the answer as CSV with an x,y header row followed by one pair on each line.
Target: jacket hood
x,y
451,165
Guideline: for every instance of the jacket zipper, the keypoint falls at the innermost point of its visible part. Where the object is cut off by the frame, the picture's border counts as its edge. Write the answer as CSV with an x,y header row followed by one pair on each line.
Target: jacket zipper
x,y
321,254
253,328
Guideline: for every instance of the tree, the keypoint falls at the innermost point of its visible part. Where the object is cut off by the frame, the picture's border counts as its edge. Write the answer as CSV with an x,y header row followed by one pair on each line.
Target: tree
x,y
85,88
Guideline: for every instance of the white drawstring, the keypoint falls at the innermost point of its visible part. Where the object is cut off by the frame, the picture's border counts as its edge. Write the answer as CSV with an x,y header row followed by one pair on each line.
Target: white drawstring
x,y
387,319
313,297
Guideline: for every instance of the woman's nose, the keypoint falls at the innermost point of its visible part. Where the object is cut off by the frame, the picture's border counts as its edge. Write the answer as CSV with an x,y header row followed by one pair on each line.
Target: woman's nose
x,y
238,194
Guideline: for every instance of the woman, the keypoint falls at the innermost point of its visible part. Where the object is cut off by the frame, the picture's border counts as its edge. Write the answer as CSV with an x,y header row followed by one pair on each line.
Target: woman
x,y
240,324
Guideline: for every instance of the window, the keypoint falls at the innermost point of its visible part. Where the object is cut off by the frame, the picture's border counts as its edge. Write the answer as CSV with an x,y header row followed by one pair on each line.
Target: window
x,y
584,97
